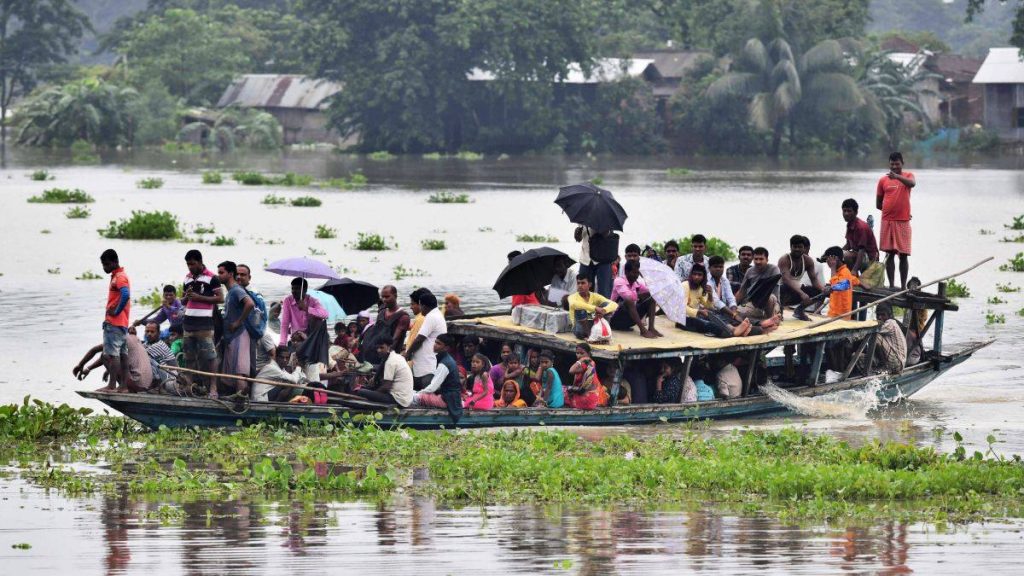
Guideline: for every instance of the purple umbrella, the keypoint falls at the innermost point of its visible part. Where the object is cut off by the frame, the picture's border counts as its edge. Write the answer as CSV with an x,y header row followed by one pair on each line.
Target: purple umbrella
x,y
302,268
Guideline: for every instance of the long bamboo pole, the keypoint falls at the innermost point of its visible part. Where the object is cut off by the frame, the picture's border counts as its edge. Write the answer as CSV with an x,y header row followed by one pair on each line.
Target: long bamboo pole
x,y
269,383
891,296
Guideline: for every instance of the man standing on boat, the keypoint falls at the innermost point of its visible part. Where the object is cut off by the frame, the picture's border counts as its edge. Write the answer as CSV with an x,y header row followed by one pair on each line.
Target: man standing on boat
x,y
892,197
238,350
115,322
392,322
203,293
421,349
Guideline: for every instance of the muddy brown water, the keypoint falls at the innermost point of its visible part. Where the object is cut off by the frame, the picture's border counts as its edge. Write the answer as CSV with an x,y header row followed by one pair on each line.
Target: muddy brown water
x,y
48,319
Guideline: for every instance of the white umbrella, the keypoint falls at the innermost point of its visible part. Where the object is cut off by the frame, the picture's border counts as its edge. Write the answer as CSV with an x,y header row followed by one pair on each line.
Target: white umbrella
x,y
666,289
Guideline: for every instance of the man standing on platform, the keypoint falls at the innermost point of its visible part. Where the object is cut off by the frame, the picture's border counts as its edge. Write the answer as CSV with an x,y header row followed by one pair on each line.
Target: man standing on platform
x,y
892,197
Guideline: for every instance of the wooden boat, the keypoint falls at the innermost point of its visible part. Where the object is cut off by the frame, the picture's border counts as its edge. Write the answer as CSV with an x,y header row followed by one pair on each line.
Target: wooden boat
x,y
155,410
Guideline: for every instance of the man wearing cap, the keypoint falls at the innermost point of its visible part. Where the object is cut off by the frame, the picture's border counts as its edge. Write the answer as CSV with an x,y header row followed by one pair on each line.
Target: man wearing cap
x,y
840,286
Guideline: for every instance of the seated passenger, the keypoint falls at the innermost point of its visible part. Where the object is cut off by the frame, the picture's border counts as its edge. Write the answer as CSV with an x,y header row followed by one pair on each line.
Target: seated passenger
x,y
584,394
668,388
630,293
891,345
563,283
509,397
700,304
736,272
445,389
452,307
500,369
514,371
632,255
478,383
138,369
586,306
521,299
395,381
840,286
277,370
794,266
551,394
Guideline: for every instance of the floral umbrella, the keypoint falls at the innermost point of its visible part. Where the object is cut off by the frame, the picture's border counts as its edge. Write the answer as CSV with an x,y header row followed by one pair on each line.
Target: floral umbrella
x,y
666,289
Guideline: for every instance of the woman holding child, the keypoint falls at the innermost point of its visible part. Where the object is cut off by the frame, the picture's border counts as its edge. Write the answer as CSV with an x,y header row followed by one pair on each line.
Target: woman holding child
x,y
584,394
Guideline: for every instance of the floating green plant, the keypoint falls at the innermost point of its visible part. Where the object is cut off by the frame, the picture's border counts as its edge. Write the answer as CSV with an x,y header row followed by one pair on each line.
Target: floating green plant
x,y
159,225
306,202
1016,239
223,241
986,232
77,212
956,289
1007,288
433,244
62,196
715,246
677,172
324,232
468,155
204,229
150,183
535,238
372,242
212,177
400,272
381,155
1015,264
89,275
41,175
274,200
993,318
1017,224
448,198
994,300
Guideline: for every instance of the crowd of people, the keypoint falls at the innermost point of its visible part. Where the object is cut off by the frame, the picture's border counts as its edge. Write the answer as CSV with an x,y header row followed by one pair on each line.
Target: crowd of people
x,y
224,340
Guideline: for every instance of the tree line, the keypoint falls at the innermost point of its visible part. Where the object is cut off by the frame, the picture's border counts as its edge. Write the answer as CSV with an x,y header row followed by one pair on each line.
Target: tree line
x,y
781,76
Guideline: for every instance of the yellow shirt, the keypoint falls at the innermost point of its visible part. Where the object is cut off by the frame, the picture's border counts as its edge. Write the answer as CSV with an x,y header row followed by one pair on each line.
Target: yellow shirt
x,y
696,299
414,330
576,302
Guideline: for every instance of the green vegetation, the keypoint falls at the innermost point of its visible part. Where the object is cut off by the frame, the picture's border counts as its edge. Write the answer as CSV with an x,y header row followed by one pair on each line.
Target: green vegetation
x,y
485,229
433,156
76,212
1007,288
597,180
993,318
154,298
325,232
158,225
1020,312
535,238
1018,239
433,244
236,128
995,300
714,247
150,183
274,200
62,196
354,180
89,275
467,155
223,241
306,202
257,179
1015,264
182,148
447,197
82,152
204,229
316,252
1017,224
986,232
212,177
293,179
252,179
380,155
956,289
400,272
371,242
22,546
678,172
55,271
81,114
41,176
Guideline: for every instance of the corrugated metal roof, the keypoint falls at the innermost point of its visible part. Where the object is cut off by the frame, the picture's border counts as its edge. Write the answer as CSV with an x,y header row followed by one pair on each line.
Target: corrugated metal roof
x,y
279,91
1001,66
675,64
604,70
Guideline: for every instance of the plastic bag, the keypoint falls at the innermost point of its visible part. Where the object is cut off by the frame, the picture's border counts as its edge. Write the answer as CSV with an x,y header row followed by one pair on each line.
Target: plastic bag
x,y
873,275
601,332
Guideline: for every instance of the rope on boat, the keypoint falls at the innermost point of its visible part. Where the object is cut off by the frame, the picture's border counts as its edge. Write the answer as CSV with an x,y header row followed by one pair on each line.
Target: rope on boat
x,y
271,383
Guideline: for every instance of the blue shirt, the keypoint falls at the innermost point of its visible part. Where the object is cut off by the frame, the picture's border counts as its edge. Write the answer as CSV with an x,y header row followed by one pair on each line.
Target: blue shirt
x,y
556,397
233,306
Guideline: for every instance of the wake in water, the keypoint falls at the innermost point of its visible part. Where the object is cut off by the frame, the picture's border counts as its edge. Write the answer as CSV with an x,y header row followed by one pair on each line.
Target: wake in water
x,y
850,404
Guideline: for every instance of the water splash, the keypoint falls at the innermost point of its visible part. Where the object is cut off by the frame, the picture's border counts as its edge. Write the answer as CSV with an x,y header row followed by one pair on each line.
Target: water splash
x,y
848,404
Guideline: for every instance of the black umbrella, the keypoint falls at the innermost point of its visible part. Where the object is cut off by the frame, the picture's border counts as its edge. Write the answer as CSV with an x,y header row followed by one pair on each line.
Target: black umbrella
x,y
762,289
529,272
353,295
591,206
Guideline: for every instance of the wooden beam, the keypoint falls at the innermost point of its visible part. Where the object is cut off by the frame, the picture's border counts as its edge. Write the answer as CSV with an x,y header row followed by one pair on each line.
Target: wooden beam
x,y
620,367
939,322
871,354
856,356
750,373
819,355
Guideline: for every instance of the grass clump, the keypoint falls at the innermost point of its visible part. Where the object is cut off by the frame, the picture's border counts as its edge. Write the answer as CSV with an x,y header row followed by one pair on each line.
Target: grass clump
x,y
88,275
433,156
535,238
41,176
316,252
83,152
715,247
372,242
1015,264
354,180
324,232
62,196
1019,238
252,179
448,198
77,212
955,289
159,225
1007,288
274,200
400,272
993,318
293,179
485,229
1020,312
53,271
212,177
1017,224
678,172
433,244
995,300
204,229
306,202
986,232
470,156
381,155
150,183
223,241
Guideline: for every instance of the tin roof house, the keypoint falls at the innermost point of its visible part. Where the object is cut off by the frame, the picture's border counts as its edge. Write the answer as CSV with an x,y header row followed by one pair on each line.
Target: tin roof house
x,y
1002,76
298,102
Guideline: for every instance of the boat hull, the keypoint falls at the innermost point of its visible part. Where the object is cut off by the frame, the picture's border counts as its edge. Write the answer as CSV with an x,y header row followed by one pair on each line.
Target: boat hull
x,y
175,412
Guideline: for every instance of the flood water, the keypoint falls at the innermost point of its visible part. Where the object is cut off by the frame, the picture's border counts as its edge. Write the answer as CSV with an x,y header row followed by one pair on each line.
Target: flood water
x,y
48,319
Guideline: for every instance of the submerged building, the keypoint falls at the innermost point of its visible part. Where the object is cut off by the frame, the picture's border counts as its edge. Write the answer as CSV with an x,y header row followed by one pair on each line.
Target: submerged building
x,y
298,102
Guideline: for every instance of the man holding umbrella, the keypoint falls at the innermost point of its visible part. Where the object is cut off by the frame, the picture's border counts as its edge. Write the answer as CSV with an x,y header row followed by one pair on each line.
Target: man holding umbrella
x,y
598,215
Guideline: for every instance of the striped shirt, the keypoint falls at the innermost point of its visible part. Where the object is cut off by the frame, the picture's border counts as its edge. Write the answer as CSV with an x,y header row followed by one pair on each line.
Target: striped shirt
x,y
199,315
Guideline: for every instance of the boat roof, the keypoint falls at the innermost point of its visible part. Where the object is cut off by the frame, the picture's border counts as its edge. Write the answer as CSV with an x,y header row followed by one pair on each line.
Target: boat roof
x,y
676,342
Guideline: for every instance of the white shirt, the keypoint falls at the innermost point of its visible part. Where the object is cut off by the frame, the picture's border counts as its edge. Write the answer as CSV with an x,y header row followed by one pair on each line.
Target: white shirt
x,y
396,370
562,286
272,371
585,247
440,373
424,360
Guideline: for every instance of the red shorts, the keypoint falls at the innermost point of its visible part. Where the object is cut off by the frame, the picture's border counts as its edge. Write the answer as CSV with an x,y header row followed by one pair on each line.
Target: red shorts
x,y
895,236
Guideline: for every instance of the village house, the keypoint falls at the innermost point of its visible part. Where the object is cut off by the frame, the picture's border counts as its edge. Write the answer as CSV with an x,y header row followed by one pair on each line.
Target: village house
x,y
1002,76
298,102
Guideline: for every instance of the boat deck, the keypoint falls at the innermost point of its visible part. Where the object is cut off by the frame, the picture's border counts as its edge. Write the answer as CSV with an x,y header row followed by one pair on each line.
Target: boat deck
x,y
676,342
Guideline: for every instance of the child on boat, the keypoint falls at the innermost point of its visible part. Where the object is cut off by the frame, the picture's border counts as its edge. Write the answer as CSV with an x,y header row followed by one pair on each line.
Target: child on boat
x,y
478,382
550,394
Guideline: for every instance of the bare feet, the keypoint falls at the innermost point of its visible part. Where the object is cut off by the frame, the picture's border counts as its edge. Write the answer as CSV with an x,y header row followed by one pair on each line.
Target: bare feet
x,y
648,334
656,333
105,389
743,329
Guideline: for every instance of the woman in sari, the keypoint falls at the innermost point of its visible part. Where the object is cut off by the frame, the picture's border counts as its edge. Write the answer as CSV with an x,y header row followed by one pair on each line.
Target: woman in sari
x,y
584,394
510,396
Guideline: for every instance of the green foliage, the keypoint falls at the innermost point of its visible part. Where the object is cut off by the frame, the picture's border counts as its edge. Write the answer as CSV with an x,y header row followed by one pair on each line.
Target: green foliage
x,y
1015,264
212,177
306,202
994,300
715,246
923,39
467,155
433,156
447,197
157,225
400,272
274,200
1007,288
204,229
956,289
156,114
993,318
89,275
372,242
535,238
433,244
252,179
22,546
55,271
354,180
1017,224
1015,240
678,172
324,232
77,212
236,127
257,179
150,183
154,298
223,241
380,155
978,139
293,179
1020,312
62,196
82,152
41,175
91,110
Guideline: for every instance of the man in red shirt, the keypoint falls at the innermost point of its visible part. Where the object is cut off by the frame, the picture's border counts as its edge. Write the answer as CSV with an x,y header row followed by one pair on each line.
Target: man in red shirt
x,y
892,197
860,240
115,323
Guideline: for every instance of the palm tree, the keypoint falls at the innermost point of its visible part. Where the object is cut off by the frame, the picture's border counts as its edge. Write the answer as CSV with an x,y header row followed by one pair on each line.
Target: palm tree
x,y
89,109
893,92
237,127
782,86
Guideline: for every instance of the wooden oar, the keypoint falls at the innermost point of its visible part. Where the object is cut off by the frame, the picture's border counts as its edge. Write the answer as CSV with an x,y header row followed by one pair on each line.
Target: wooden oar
x,y
891,296
270,383
146,317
